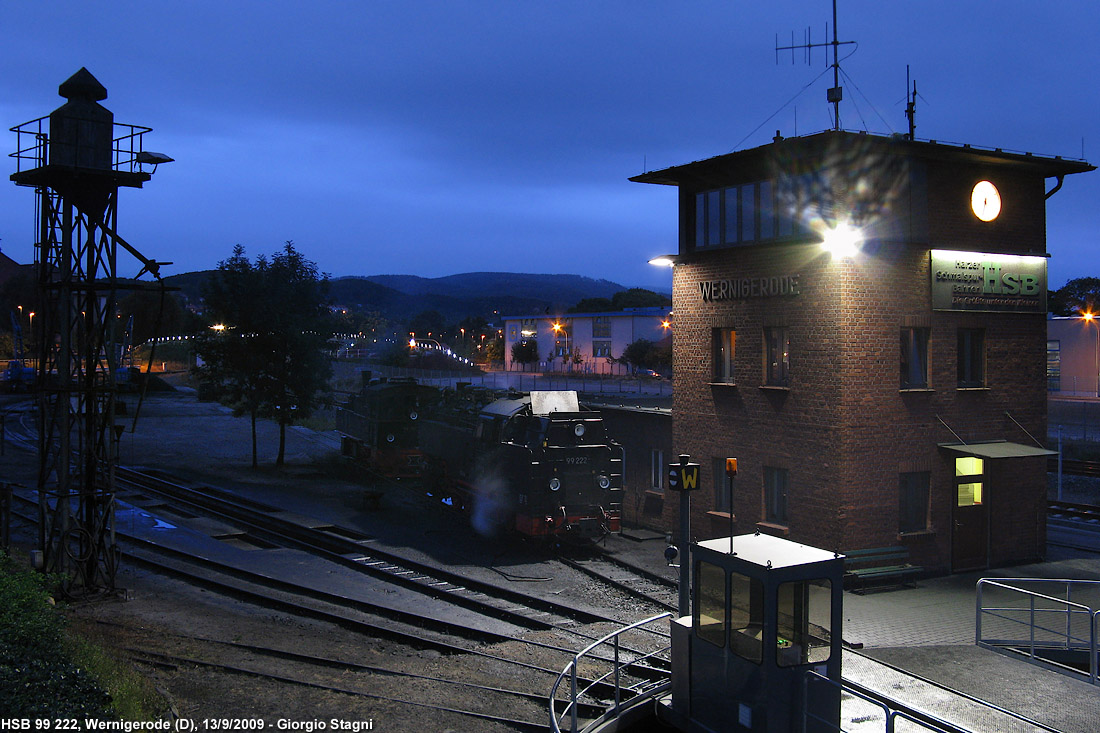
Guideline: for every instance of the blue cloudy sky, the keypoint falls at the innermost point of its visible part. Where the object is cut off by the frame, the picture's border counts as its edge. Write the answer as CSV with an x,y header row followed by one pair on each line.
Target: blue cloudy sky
x,y
437,137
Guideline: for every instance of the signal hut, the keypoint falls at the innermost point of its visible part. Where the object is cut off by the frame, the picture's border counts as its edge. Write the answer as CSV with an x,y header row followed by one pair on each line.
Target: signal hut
x,y
861,321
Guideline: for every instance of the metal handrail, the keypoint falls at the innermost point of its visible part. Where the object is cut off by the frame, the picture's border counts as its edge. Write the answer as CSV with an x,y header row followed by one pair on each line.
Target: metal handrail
x,y
570,670
126,144
1064,638
889,715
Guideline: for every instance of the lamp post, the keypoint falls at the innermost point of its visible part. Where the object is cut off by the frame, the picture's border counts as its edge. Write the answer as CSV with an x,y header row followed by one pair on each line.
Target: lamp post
x,y
1090,317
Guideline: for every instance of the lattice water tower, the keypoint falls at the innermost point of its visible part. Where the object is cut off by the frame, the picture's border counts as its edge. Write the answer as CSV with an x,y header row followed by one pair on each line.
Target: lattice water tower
x,y
76,159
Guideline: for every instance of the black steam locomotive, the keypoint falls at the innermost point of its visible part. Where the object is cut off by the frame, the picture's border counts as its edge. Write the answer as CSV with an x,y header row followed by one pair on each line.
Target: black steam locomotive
x,y
537,464
380,425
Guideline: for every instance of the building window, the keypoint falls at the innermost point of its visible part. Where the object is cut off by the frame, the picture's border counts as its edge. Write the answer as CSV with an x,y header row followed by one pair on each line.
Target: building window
x,y
601,327
733,217
710,603
777,348
767,211
601,349
775,494
741,214
913,501
914,358
721,486
804,615
1054,365
971,368
748,212
746,617
724,341
969,480
657,470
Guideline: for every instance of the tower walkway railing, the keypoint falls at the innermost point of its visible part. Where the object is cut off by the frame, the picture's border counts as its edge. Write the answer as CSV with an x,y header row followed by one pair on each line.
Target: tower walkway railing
x,y
629,690
1050,622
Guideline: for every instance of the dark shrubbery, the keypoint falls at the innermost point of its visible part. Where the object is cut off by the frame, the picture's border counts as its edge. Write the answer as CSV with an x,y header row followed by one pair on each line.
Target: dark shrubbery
x,y
36,676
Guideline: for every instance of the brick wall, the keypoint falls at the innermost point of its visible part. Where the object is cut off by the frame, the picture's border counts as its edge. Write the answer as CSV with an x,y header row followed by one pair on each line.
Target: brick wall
x,y
844,429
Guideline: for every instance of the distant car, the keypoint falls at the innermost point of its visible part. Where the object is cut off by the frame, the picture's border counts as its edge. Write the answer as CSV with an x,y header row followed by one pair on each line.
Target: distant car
x,y
651,374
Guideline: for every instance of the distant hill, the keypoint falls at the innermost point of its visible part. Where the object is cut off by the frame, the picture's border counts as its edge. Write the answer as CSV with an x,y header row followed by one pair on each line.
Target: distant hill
x,y
488,294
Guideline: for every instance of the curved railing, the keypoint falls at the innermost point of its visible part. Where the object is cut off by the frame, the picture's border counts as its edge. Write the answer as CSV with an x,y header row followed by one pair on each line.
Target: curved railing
x,y
615,674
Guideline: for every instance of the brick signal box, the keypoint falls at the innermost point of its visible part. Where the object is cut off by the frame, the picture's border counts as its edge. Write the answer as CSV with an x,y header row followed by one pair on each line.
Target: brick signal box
x,y
861,320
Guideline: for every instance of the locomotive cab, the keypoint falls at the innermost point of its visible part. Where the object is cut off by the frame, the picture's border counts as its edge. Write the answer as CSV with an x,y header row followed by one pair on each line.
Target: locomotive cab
x,y
562,472
762,645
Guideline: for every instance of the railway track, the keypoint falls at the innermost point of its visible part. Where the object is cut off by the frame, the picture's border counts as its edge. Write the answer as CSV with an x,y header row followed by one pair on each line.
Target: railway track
x,y
413,630
352,549
1075,467
1069,510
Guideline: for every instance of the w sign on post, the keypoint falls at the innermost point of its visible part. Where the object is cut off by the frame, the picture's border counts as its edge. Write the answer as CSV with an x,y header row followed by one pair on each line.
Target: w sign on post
x,y
683,476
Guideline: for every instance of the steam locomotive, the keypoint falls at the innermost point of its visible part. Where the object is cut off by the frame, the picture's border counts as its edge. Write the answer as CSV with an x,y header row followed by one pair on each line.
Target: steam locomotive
x,y
537,464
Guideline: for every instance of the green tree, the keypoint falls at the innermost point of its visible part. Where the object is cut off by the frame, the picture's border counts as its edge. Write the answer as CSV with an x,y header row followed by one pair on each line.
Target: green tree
x,y
297,333
230,363
638,298
1080,295
525,352
265,356
592,305
646,354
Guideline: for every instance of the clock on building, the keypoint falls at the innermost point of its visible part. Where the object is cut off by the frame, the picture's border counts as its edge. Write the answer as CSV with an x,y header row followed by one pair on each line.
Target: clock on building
x,y
985,200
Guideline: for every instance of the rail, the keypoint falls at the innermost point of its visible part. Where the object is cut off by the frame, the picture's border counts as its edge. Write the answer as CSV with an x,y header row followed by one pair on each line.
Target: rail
x,y
1050,644
616,673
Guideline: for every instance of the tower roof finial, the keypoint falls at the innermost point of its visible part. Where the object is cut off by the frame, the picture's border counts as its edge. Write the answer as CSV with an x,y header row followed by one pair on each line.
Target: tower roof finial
x,y
82,85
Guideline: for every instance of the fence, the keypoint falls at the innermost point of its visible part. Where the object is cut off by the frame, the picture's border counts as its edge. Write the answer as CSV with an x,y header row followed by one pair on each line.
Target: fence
x,y
1079,420
521,381
1050,630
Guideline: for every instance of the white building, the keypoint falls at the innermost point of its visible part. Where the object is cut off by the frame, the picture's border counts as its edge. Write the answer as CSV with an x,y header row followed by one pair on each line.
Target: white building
x,y
1073,356
585,343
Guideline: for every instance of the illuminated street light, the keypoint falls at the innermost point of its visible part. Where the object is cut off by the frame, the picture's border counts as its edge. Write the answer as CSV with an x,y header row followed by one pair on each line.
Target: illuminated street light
x,y
1090,317
843,240
663,261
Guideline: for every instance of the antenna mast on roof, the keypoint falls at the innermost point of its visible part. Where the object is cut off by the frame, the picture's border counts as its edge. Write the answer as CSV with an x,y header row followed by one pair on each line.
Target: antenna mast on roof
x,y
836,93
911,105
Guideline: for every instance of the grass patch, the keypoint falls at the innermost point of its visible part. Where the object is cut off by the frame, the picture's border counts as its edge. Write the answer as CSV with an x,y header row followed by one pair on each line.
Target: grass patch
x,y
46,672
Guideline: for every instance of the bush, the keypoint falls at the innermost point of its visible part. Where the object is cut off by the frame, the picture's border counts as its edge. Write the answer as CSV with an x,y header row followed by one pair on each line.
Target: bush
x,y
36,676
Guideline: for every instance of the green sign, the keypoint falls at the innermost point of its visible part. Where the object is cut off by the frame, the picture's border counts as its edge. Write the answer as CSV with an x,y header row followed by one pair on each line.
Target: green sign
x,y
977,281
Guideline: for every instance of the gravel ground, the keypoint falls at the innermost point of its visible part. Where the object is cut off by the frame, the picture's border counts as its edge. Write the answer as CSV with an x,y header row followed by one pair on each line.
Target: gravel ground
x,y
202,442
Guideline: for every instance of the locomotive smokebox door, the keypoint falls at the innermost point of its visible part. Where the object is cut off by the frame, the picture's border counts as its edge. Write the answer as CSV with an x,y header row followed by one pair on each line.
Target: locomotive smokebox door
x,y
762,645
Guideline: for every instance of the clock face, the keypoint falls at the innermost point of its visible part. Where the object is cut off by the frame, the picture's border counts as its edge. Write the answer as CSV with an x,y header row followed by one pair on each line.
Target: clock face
x,y
985,201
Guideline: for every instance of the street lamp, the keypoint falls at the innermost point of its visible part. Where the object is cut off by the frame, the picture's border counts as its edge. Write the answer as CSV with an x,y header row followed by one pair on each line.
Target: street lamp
x,y
1090,317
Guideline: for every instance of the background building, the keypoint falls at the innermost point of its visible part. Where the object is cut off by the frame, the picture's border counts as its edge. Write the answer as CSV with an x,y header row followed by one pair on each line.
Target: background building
x,y
888,387
1073,357
586,343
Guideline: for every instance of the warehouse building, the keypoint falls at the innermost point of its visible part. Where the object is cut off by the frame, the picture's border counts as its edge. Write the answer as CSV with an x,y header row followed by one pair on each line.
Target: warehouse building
x,y
861,321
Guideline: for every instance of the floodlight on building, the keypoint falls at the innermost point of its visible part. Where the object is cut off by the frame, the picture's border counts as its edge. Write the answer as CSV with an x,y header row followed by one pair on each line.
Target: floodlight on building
x,y
843,240
663,261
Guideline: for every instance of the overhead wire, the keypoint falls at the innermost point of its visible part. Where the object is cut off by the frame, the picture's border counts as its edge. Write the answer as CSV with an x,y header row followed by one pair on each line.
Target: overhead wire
x,y
781,108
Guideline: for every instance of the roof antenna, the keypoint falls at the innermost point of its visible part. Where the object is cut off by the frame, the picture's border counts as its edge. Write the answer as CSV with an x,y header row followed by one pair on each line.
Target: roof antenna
x,y
911,105
836,93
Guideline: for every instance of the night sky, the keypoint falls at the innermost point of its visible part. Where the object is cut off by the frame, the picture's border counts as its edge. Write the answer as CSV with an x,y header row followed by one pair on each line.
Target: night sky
x,y
434,138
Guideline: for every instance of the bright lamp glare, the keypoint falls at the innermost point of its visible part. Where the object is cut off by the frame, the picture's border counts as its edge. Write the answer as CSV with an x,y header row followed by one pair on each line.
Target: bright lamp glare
x,y
662,261
842,240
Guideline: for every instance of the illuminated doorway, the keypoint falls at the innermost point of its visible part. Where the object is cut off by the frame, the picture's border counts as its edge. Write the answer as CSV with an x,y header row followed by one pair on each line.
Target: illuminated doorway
x,y
970,516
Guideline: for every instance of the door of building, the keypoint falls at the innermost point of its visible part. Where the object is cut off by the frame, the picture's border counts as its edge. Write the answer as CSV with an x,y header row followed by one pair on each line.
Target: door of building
x,y
970,516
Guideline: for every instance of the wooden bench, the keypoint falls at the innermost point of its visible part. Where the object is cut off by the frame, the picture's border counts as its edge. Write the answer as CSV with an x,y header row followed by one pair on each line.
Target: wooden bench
x,y
882,566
